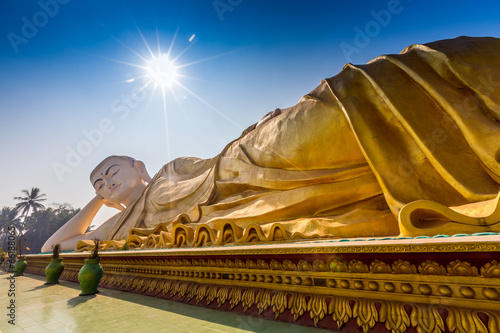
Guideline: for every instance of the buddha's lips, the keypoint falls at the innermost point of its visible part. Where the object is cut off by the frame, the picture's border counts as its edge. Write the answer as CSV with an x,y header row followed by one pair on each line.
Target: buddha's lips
x,y
114,189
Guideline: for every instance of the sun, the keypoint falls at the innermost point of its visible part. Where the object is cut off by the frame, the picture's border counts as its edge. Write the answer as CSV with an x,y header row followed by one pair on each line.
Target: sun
x,y
161,70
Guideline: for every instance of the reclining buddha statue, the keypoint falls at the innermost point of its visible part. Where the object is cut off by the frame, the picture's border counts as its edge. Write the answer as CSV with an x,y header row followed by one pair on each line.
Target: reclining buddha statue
x,y
406,145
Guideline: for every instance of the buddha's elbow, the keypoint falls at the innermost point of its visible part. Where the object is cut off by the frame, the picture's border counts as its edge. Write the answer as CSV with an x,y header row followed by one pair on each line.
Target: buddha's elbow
x,y
46,247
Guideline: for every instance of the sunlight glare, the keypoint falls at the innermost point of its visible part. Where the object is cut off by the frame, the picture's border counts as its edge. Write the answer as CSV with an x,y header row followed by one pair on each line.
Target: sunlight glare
x,y
162,71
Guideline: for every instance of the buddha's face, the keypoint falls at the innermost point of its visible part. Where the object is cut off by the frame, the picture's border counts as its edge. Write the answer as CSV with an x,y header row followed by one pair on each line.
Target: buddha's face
x,y
116,180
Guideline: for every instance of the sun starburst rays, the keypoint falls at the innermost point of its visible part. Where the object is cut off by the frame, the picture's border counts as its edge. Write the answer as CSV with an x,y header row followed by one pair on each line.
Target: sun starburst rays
x,y
162,71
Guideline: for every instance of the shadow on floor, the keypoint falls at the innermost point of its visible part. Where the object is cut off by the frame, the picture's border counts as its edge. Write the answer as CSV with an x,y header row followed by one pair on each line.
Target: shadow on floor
x,y
43,286
79,300
234,320
229,319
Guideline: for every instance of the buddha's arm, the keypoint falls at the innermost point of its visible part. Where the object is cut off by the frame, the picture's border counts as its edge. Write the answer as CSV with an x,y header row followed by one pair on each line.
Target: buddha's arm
x,y
74,230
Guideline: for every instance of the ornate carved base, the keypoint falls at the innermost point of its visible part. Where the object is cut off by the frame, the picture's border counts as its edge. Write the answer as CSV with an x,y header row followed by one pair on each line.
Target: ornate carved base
x,y
408,285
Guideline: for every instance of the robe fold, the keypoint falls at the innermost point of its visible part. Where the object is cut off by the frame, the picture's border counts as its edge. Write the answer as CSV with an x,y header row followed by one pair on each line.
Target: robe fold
x,y
406,144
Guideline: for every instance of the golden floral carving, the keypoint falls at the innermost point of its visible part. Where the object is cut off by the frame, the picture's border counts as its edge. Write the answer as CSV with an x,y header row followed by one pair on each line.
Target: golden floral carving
x,y
111,281
461,268
394,316
320,266
235,296
426,319
493,321
304,266
464,321
248,299
279,303
298,305
121,281
229,264
403,267
337,266
211,294
201,292
250,264
491,270
340,309
275,265
152,286
261,264
193,291
378,266
184,289
365,313
289,266
118,282
137,283
175,288
356,266
146,284
431,268
222,296
239,264
317,308
128,283
263,300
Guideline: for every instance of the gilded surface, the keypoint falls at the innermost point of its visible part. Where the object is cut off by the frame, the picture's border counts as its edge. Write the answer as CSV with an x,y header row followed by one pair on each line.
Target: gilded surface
x,y
429,296
470,246
406,144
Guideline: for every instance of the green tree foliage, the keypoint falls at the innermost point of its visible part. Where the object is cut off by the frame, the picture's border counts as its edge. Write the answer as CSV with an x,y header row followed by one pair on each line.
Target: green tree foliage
x,y
41,224
33,223
9,217
11,224
30,202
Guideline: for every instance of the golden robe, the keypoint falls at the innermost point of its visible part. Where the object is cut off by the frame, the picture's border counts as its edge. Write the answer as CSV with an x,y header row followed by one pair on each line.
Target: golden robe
x,y
407,143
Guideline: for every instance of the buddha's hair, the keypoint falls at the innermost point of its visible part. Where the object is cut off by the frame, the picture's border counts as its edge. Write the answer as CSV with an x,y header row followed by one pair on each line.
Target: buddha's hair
x,y
129,159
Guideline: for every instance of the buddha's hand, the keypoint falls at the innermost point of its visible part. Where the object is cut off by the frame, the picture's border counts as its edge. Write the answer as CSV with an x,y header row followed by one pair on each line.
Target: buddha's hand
x,y
112,204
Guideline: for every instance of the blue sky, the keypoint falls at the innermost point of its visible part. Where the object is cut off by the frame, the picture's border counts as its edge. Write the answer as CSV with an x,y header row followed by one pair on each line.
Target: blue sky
x,y
68,76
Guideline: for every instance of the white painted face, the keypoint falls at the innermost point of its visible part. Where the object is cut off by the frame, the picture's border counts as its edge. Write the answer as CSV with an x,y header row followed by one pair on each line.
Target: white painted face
x,y
116,179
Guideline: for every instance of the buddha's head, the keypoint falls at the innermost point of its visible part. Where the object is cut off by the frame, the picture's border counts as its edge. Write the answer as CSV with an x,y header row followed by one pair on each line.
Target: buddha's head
x,y
119,179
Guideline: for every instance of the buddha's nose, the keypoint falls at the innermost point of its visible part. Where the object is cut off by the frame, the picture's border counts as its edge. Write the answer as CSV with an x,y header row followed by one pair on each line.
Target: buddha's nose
x,y
109,182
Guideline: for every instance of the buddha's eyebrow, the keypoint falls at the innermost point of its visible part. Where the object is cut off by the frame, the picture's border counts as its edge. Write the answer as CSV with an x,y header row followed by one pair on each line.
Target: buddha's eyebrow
x,y
106,173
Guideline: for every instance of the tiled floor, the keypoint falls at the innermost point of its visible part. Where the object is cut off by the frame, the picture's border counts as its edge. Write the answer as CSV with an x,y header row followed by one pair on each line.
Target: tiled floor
x,y
58,308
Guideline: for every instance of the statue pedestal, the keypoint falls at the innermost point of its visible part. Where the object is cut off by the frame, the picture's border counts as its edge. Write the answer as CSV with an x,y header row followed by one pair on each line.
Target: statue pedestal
x,y
381,285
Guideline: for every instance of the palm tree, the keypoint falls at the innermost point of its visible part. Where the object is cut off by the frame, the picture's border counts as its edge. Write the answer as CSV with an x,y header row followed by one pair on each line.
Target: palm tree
x,y
30,202
9,218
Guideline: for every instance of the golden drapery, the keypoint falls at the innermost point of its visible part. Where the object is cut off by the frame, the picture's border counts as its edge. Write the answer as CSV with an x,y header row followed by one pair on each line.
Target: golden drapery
x,y
379,149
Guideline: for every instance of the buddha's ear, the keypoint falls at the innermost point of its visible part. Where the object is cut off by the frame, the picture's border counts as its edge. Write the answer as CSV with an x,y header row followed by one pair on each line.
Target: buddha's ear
x,y
142,171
